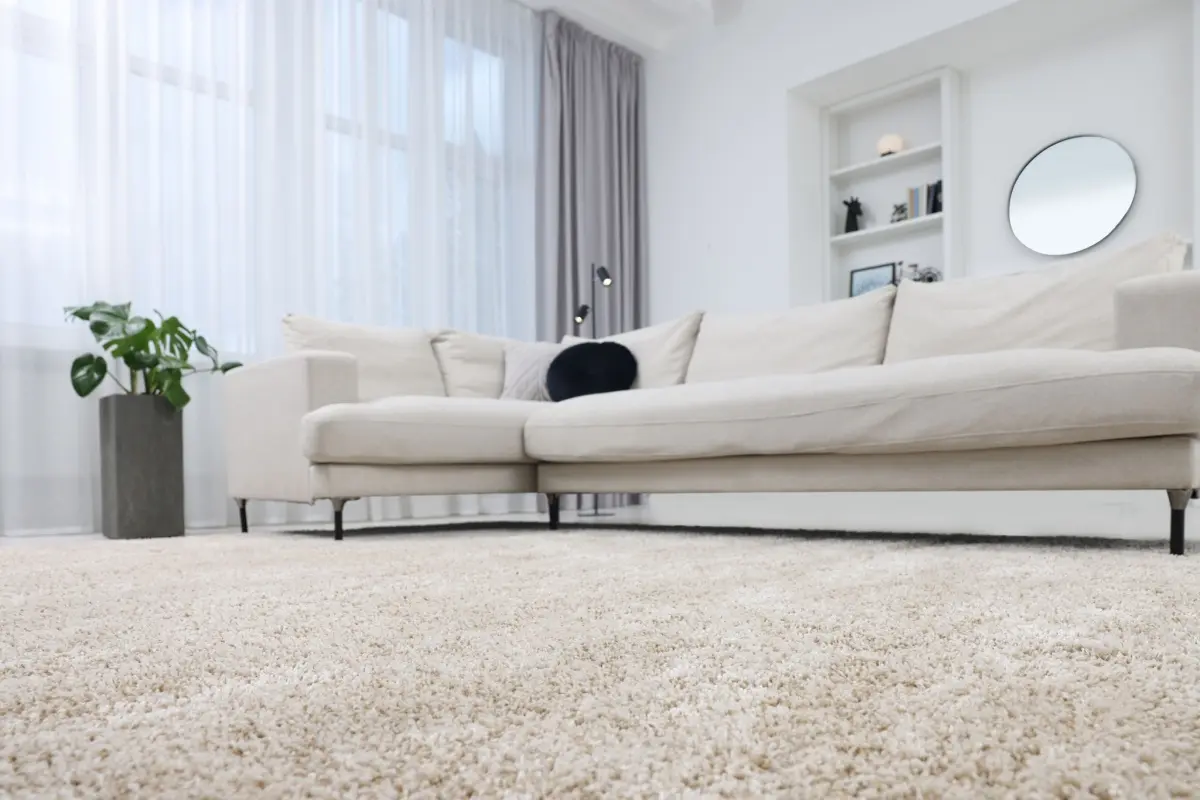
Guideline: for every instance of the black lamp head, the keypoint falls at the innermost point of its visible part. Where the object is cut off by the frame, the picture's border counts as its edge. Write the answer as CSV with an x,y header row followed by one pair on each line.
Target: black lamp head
x,y
581,314
603,276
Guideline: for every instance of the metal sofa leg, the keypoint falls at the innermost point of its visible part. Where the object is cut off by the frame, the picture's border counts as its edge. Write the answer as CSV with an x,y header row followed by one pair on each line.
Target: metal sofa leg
x,y
241,504
1179,503
552,503
338,504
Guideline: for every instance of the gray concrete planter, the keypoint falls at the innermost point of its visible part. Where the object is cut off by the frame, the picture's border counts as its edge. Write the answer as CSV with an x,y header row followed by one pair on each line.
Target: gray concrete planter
x,y
141,467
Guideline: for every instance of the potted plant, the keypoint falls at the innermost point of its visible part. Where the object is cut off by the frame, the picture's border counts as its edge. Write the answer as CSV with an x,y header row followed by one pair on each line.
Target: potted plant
x,y
141,429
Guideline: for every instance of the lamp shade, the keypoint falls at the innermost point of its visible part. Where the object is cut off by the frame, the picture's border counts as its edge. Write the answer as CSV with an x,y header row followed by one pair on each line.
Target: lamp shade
x,y
603,276
581,314
889,144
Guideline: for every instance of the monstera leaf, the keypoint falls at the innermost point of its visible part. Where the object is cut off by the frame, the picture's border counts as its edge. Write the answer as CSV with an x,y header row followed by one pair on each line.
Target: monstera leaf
x,y
156,355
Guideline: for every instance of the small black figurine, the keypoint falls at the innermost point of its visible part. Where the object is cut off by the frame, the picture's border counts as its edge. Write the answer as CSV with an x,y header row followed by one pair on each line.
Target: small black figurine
x,y
899,212
853,212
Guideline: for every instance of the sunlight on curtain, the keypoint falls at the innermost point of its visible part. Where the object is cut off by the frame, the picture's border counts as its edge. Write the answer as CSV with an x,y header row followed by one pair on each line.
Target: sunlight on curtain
x,y
230,161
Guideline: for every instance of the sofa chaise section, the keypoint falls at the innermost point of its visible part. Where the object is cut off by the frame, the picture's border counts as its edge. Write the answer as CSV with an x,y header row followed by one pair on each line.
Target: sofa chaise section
x,y
417,446
372,419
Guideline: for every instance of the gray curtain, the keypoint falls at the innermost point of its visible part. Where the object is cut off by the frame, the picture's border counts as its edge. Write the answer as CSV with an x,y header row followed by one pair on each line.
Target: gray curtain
x,y
592,193
591,207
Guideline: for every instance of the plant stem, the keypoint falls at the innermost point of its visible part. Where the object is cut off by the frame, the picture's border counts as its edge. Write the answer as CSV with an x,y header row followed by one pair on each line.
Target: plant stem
x,y
133,381
118,382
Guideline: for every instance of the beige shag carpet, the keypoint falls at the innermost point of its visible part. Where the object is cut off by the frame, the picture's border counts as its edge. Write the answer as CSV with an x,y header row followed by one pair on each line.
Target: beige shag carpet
x,y
595,664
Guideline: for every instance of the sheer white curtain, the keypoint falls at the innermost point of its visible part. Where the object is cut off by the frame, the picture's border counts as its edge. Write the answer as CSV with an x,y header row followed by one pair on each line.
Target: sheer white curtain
x,y
229,161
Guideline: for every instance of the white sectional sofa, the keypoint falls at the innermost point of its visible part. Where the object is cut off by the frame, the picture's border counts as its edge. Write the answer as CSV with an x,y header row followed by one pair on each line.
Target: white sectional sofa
x,y
1081,375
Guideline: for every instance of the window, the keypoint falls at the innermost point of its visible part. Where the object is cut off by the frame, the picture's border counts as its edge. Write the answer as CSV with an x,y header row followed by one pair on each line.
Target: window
x,y
233,159
89,174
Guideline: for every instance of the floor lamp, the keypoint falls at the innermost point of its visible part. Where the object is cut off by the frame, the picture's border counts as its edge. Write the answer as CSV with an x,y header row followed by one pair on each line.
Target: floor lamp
x,y
600,277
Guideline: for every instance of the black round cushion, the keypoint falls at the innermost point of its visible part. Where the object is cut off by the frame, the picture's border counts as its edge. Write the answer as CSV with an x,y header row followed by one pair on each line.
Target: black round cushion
x,y
590,368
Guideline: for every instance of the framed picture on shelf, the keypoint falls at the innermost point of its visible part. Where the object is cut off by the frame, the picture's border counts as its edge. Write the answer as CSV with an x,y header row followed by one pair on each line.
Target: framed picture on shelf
x,y
868,279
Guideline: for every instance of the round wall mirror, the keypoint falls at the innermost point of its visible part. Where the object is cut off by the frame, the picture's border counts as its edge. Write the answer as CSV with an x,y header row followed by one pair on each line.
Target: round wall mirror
x,y
1072,195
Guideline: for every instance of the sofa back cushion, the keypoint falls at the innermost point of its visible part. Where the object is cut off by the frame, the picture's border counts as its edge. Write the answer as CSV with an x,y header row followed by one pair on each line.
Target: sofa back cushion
x,y
1068,305
662,351
844,333
391,361
472,364
525,367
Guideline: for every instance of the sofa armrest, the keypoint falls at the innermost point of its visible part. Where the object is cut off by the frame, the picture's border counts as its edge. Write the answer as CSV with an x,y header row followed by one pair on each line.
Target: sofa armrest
x,y
263,406
1159,311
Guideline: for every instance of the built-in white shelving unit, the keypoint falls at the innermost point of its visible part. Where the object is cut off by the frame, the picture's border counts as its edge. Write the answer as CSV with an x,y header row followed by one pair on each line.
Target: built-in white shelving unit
x,y
891,231
881,165
923,112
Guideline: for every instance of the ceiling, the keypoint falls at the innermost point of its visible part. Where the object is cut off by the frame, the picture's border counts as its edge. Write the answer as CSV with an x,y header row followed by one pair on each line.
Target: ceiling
x,y
645,26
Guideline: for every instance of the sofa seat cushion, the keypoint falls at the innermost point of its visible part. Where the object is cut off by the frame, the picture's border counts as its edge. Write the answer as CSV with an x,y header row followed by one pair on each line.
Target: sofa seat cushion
x,y
1013,398
418,430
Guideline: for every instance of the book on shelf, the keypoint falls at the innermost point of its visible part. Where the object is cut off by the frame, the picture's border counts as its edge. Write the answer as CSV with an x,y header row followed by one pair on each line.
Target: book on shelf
x,y
925,200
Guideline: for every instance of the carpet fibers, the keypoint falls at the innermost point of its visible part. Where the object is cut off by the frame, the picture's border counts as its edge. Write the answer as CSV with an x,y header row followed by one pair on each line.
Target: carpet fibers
x,y
588,664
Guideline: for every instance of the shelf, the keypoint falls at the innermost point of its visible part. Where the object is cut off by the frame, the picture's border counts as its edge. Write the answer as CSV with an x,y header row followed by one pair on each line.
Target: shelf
x,y
884,164
892,230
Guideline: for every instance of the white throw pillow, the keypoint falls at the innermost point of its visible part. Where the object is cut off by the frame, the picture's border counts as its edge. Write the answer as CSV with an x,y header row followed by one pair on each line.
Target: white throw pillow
x,y
391,361
662,351
525,368
1068,305
472,365
844,333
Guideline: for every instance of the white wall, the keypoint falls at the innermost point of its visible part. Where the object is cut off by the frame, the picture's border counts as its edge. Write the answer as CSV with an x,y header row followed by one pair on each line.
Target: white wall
x,y
717,139
1130,80
719,201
